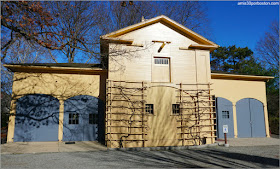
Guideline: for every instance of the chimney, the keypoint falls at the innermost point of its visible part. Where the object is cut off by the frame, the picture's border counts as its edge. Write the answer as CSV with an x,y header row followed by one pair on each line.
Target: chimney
x,y
143,19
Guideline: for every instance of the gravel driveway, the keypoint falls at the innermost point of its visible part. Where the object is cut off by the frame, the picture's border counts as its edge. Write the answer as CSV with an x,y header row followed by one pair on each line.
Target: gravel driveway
x,y
233,157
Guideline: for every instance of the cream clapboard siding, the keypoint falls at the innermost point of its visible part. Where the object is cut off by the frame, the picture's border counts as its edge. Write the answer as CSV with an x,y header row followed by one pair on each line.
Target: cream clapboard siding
x,y
135,63
159,31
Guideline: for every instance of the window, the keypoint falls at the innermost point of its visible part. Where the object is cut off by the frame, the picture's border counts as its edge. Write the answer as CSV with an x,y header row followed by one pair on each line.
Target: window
x,y
175,108
225,114
149,108
93,118
74,118
162,61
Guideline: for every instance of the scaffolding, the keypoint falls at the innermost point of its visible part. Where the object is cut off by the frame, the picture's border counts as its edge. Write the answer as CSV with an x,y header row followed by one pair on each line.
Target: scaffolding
x,y
125,113
197,117
127,120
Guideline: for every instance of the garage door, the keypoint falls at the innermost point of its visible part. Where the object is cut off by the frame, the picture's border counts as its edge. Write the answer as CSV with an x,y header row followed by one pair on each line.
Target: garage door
x,y
81,118
250,118
36,118
224,117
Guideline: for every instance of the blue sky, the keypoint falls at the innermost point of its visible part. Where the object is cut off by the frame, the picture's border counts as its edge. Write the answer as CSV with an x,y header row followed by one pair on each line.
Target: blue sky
x,y
232,24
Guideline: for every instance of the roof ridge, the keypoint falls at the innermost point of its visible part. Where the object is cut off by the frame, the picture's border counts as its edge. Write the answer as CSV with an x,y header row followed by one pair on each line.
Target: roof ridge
x,y
156,19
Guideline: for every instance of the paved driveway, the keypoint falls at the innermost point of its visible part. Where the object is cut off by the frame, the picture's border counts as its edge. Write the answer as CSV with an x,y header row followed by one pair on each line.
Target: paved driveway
x,y
236,142
48,147
234,157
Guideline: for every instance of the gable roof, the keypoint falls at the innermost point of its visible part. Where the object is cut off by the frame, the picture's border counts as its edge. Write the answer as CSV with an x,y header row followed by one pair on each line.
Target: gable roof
x,y
165,20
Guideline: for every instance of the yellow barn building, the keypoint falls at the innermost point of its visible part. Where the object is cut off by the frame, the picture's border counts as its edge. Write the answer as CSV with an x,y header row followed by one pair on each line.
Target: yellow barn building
x,y
154,87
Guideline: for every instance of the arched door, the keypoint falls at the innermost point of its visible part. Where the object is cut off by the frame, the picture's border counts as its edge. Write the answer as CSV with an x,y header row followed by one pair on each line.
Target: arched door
x,y
81,118
36,118
224,117
250,118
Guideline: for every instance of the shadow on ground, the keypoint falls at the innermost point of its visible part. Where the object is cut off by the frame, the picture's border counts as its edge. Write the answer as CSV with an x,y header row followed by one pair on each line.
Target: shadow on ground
x,y
215,157
193,159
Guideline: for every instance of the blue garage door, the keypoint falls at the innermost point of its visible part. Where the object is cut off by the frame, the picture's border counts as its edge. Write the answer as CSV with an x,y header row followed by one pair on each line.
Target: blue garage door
x,y
224,117
250,118
81,118
36,118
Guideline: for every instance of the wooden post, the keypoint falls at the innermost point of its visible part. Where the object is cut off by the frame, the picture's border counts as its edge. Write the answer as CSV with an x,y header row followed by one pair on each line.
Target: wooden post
x,y
198,116
61,117
110,117
143,112
12,119
210,115
106,114
180,111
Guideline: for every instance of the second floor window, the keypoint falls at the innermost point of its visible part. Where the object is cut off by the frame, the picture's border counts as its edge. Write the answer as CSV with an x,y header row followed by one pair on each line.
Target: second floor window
x,y
162,61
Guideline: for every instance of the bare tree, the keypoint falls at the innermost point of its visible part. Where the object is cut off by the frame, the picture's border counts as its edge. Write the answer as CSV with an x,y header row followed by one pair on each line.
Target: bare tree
x,y
268,51
34,32
28,20
191,14
71,30
21,51
79,23
129,14
268,46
